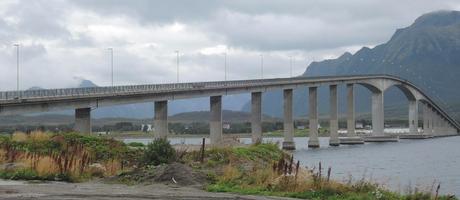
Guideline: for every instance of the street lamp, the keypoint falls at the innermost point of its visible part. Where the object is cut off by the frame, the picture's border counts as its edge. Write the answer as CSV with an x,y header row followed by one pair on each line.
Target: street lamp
x,y
17,67
262,65
225,65
111,64
177,60
290,64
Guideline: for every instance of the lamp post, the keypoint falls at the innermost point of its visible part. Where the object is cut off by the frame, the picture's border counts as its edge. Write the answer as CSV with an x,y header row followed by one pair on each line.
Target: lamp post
x,y
225,66
17,67
177,64
262,65
290,65
111,65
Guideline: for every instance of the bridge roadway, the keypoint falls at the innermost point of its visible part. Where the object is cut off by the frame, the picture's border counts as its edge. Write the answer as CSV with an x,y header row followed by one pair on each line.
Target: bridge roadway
x,y
436,122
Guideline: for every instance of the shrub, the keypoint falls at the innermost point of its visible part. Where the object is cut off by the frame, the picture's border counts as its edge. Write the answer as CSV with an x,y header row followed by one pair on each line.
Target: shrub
x,y
136,144
159,152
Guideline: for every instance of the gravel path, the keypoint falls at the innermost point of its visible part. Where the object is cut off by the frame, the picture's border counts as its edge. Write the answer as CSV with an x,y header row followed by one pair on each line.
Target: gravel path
x,y
100,191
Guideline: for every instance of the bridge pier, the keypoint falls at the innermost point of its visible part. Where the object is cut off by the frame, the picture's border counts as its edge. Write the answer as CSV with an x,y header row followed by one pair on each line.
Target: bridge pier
x,y
256,117
216,119
435,124
377,114
378,124
333,122
426,119
83,120
160,120
351,138
431,120
413,122
313,141
288,142
413,117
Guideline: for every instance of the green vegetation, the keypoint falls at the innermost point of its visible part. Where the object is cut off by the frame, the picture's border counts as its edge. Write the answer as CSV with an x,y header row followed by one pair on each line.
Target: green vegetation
x,y
297,133
261,169
136,144
159,152
69,157
265,170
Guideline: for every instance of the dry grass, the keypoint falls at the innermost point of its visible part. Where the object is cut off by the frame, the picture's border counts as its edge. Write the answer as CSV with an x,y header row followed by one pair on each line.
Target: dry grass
x,y
45,166
39,136
3,156
19,136
72,159
230,173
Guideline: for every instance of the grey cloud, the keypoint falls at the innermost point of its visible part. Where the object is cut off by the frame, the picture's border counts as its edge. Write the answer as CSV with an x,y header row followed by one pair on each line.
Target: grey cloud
x,y
154,11
286,24
39,18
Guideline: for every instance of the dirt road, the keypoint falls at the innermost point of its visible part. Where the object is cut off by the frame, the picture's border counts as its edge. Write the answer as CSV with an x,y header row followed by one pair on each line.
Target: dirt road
x,y
101,191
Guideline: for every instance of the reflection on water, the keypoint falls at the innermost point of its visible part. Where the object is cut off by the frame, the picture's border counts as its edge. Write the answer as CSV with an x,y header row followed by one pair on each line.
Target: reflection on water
x,y
396,165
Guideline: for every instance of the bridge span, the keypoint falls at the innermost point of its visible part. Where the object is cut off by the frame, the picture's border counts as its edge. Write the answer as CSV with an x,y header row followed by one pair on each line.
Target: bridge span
x,y
436,122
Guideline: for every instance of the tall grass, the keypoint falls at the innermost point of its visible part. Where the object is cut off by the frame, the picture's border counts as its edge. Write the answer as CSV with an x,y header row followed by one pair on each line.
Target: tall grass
x,y
246,170
64,154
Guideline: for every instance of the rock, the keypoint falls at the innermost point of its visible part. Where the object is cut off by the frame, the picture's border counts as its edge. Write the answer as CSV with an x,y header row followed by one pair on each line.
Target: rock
x,y
97,170
11,167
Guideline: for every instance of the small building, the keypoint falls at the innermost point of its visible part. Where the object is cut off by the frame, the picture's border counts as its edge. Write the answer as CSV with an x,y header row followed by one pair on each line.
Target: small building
x,y
146,127
226,126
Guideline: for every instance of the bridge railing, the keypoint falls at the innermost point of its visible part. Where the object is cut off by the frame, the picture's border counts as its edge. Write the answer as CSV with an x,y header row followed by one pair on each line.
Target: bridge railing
x,y
152,88
119,90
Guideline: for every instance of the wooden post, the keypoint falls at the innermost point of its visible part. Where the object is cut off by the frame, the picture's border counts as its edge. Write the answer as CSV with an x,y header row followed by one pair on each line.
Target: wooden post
x,y
297,169
202,150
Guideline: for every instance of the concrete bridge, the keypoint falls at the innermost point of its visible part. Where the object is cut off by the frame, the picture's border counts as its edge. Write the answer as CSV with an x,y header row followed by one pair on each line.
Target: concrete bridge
x,y
436,122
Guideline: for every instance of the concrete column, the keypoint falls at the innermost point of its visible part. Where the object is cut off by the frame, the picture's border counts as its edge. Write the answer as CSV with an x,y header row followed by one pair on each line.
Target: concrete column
x,y
426,119
160,120
83,120
377,114
313,115
444,127
216,119
333,121
431,121
413,117
256,117
351,111
436,131
288,142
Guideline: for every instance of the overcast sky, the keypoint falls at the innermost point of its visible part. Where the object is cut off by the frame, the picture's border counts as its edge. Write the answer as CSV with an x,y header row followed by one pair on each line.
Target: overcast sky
x,y
63,41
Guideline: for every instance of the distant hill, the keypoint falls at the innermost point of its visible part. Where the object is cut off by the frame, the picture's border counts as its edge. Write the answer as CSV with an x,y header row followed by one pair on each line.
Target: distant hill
x,y
227,115
62,119
426,53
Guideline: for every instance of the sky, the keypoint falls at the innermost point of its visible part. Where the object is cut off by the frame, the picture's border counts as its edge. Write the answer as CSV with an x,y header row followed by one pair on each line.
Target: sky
x,y
62,42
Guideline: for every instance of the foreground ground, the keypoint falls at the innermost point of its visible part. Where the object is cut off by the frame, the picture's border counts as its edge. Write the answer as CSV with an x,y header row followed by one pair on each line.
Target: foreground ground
x,y
101,191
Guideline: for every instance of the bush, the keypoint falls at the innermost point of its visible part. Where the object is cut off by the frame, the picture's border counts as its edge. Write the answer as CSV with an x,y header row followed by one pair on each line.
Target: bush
x,y
136,144
159,152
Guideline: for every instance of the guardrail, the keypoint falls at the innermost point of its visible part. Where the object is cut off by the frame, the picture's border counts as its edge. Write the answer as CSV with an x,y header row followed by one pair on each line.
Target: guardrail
x,y
120,90
157,88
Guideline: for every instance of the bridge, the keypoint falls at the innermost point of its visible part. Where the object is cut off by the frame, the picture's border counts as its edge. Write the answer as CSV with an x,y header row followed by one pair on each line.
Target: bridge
x,y
436,122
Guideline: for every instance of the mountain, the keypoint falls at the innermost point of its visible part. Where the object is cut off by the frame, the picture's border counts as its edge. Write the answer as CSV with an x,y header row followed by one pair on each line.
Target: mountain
x,y
426,53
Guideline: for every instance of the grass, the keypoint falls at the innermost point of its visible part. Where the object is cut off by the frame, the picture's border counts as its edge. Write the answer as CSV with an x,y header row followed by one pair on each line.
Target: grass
x,y
261,169
46,156
254,170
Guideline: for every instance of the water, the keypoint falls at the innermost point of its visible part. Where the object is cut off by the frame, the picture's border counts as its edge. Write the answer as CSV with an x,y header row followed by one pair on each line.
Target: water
x,y
394,165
